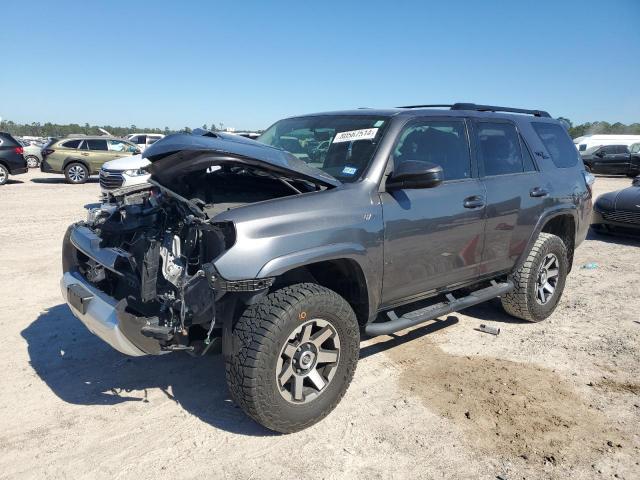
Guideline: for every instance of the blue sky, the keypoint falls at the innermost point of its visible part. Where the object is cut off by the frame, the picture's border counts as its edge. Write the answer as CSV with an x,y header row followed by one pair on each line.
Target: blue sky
x,y
247,64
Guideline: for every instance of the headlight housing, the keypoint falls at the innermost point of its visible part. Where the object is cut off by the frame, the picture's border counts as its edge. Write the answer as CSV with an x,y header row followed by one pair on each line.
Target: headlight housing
x,y
137,172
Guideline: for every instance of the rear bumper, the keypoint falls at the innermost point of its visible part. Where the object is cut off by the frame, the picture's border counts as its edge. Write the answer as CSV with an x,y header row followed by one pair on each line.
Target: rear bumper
x,y
19,170
100,315
46,168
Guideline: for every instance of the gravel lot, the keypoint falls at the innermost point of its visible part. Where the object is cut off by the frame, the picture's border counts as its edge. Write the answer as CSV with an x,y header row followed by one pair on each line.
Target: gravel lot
x,y
559,399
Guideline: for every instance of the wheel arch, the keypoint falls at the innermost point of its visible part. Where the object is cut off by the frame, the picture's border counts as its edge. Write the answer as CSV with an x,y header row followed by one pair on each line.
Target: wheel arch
x,y
344,276
562,222
70,160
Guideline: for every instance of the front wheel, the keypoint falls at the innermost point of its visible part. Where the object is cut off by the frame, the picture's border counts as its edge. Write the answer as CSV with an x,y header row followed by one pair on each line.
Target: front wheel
x,y
76,173
294,354
540,280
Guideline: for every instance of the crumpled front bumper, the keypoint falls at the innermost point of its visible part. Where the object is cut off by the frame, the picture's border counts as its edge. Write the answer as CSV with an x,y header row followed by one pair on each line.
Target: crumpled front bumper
x,y
100,315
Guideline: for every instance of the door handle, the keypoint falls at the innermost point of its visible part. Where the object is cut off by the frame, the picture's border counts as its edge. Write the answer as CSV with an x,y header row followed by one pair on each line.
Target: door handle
x,y
538,192
84,154
473,202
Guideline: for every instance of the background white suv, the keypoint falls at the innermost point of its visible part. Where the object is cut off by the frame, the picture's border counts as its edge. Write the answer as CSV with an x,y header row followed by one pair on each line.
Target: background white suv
x,y
123,172
143,140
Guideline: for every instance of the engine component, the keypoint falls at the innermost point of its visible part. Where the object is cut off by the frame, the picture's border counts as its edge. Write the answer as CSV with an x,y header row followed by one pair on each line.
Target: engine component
x,y
172,265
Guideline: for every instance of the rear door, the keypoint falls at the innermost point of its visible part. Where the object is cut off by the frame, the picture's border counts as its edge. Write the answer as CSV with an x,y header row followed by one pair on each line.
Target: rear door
x,y
98,153
516,191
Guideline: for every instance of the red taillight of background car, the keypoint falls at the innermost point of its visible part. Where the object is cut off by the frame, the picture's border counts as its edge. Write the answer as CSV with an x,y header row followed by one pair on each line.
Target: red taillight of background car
x,y
19,150
47,151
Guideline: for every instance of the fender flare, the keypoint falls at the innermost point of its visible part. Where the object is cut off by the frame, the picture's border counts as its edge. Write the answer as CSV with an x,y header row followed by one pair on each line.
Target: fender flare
x,y
337,251
279,265
542,221
69,160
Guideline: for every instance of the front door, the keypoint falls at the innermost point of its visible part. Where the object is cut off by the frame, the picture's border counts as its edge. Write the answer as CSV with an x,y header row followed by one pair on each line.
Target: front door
x,y
433,236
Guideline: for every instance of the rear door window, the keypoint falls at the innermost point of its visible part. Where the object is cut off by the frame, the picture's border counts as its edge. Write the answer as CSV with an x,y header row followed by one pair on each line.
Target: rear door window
x,y
499,149
71,144
558,143
99,145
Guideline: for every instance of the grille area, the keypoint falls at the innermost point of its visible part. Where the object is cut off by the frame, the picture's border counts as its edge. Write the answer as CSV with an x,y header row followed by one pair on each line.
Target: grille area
x,y
623,216
110,179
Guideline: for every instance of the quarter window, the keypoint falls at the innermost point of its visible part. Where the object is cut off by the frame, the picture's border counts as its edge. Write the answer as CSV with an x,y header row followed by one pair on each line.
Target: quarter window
x,y
499,149
557,142
443,143
97,145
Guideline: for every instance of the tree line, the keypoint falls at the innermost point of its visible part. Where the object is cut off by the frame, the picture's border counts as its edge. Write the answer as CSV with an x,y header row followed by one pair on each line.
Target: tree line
x,y
49,129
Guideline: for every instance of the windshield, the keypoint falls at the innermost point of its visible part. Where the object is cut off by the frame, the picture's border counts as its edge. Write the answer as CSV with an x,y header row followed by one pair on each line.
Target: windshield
x,y
340,145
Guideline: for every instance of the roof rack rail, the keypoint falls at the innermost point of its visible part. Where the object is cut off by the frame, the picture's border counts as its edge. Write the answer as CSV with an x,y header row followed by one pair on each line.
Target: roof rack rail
x,y
491,108
428,106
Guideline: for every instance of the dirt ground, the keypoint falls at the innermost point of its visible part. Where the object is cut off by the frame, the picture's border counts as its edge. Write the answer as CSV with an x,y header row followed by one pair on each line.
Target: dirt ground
x,y
559,399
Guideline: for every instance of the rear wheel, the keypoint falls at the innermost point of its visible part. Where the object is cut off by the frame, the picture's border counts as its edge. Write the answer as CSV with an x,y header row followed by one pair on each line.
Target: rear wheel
x,y
294,355
539,282
4,175
32,161
76,173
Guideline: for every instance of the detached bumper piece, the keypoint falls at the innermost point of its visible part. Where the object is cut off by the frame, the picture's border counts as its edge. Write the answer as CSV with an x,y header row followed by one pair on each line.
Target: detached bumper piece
x,y
97,311
452,304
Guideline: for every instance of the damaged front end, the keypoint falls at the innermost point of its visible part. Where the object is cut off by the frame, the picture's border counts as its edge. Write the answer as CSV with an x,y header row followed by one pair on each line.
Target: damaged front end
x,y
140,271
150,256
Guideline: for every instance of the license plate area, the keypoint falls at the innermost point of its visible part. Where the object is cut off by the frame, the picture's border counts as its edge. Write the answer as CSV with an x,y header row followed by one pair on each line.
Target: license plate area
x,y
79,297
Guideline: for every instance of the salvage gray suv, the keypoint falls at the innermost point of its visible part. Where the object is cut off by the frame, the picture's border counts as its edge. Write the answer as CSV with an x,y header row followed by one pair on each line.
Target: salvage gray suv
x,y
282,252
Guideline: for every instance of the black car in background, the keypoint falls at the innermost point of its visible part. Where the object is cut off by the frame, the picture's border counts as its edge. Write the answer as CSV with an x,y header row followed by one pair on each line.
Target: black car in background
x,y
12,161
613,159
619,211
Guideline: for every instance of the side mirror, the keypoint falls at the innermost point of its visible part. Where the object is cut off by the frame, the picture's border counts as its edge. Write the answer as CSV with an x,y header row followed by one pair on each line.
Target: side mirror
x,y
415,174
600,154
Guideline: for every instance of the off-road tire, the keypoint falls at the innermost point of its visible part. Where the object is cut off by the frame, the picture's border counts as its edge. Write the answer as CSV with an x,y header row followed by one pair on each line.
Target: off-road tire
x,y
4,174
521,302
258,337
69,173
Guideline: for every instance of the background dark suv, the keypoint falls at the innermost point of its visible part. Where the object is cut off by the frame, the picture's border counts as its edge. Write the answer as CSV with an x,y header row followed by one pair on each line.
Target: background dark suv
x,y
612,159
12,161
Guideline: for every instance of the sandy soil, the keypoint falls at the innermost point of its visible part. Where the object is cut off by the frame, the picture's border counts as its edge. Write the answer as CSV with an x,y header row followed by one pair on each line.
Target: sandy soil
x,y
559,399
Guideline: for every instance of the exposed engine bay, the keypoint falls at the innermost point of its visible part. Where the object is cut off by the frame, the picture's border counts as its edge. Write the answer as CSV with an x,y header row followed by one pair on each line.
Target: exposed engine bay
x,y
153,248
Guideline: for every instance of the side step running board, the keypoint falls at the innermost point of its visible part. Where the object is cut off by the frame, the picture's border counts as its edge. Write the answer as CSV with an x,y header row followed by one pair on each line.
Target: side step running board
x,y
452,304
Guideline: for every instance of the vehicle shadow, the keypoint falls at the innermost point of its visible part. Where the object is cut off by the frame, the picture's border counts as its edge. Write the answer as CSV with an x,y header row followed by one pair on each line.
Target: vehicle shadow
x,y
397,340
59,180
83,370
617,238
492,311
11,181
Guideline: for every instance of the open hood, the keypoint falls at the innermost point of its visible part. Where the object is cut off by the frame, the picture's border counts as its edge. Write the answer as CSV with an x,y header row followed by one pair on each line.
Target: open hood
x,y
181,153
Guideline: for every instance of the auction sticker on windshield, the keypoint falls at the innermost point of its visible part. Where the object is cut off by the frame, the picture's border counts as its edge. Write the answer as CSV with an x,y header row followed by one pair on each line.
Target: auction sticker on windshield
x,y
350,136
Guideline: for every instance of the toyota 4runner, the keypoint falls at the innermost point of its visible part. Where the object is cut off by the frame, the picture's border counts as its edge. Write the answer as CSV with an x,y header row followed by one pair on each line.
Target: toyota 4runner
x,y
282,252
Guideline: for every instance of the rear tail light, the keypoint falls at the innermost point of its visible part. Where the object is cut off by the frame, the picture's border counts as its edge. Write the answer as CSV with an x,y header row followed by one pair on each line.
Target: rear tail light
x,y
19,150
589,179
47,151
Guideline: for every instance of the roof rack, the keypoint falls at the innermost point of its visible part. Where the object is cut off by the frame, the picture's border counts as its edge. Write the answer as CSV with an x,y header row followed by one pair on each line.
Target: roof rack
x,y
427,106
483,108
491,108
